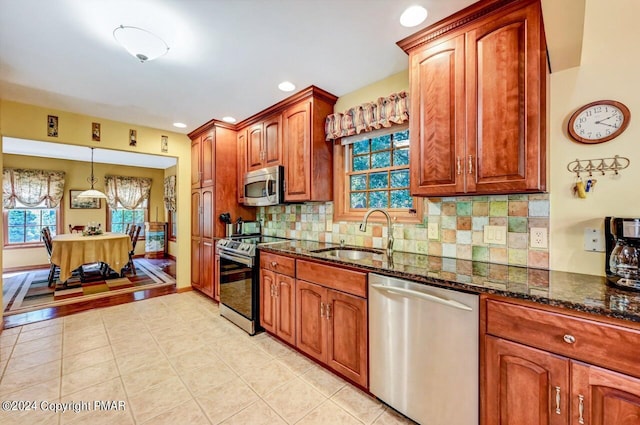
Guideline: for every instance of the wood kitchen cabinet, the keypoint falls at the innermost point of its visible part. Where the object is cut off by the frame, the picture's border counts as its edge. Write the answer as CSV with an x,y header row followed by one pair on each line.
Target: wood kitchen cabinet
x,y
278,296
241,154
264,143
544,367
214,191
478,84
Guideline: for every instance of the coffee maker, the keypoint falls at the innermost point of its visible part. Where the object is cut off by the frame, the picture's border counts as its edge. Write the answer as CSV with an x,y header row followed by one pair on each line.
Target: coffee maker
x,y
623,252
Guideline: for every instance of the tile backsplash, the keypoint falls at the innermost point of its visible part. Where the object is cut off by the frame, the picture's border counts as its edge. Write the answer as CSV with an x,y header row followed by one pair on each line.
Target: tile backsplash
x,y
460,221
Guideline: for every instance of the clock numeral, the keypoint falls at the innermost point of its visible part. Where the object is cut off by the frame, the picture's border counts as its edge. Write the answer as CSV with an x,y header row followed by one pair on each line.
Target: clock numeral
x,y
598,135
608,132
582,120
598,109
588,113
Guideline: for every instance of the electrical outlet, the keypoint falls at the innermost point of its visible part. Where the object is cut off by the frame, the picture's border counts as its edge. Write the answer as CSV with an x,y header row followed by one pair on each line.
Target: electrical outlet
x,y
433,232
496,235
538,237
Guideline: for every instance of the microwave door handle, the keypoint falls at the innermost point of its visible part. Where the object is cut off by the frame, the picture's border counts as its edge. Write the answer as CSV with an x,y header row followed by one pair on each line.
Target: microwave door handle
x,y
266,187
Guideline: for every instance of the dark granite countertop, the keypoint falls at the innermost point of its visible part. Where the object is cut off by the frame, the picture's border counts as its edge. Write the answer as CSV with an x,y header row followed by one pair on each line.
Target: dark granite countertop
x,y
574,291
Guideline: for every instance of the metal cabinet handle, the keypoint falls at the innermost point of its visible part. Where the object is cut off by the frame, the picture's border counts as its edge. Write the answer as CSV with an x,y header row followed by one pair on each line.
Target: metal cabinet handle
x,y
276,290
470,164
458,167
581,408
558,400
322,310
272,290
569,339
328,307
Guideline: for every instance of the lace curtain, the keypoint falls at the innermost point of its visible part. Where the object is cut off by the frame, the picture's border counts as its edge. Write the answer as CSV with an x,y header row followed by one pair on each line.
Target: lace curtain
x,y
32,188
170,193
384,112
126,192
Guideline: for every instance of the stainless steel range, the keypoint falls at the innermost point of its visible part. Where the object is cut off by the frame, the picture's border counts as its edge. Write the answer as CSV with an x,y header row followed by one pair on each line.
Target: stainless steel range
x,y
238,275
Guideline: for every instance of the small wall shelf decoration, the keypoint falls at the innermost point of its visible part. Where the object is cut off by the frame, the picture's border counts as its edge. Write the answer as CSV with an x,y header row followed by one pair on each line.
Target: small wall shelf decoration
x,y
599,121
52,126
95,131
133,137
164,143
599,166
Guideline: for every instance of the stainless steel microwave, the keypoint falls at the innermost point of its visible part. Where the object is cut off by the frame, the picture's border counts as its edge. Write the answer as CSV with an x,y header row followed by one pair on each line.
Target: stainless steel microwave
x,y
264,186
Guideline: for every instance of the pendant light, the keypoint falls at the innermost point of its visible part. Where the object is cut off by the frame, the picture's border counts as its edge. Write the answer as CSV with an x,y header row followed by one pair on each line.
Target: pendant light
x,y
92,193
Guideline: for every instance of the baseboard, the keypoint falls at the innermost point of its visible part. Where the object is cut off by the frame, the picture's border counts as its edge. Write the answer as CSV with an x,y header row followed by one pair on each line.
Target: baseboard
x,y
185,289
171,257
25,268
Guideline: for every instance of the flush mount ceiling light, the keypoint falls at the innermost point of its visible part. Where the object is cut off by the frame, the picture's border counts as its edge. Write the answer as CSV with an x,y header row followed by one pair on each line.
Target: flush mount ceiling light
x,y
140,43
92,193
286,86
179,125
412,16
230,120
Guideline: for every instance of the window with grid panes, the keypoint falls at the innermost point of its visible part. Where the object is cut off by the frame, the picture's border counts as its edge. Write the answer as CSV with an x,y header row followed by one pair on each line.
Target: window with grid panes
x,y
23,225
378,172
120,217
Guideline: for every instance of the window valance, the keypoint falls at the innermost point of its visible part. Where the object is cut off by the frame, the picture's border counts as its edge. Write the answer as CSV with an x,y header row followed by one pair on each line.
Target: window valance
x,y
126,192
170,193
32,188
386,111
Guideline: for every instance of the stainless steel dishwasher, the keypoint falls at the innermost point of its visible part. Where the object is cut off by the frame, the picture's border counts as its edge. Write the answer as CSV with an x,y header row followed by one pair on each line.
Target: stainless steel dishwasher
x,y
423,350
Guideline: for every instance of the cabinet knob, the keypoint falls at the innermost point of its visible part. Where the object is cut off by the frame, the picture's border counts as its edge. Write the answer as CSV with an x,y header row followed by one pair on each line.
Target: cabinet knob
x,y
569,339
274,264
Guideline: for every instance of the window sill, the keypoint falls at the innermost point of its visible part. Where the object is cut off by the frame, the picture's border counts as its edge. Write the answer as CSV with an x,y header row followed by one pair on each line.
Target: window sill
x,y
23,245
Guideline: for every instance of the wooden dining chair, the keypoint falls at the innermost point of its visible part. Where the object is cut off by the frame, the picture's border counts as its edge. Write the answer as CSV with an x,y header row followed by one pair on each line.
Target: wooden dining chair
x,y
54,270
76,229
134,233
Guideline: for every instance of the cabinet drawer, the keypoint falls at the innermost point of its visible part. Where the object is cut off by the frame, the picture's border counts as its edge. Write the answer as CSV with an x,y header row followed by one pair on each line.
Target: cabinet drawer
x,y
278,263
602,344
333,277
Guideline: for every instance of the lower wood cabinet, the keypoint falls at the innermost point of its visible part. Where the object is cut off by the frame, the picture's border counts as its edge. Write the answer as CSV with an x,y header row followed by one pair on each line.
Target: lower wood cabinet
x,y
525,385
202,265
277,304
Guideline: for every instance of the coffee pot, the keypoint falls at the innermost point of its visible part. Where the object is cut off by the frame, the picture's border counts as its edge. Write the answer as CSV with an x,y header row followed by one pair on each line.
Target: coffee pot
x,y
623,251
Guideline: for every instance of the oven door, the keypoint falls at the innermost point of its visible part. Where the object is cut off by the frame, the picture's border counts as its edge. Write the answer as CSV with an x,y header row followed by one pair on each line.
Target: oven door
x,y
238,290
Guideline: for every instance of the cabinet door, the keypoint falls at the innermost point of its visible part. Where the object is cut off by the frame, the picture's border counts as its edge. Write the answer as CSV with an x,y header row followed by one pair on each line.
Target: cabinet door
x,y
297,144
438,119
524,386
506,85
207,218
272,150
285,307
207,267
267,301
195,262
196,165
254,147
207,150
196,214
242,163
347,335
216,278
311,325
602,397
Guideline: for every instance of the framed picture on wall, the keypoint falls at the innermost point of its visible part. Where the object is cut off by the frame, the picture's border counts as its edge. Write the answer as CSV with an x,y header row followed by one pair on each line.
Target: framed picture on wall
x,y
82,203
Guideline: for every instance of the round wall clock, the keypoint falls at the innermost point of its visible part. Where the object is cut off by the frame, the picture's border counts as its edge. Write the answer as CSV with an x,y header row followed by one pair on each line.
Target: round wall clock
x,y
599,121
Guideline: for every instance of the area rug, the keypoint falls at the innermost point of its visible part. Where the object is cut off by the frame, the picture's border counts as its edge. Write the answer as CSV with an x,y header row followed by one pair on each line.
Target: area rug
x,y
29,291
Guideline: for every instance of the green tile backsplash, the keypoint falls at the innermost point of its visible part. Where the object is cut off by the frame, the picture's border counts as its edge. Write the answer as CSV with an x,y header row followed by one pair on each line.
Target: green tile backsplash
x,y
460,220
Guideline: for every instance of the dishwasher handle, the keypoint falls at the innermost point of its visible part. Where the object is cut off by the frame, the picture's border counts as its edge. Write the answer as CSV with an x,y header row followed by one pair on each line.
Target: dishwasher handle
x,y
424,296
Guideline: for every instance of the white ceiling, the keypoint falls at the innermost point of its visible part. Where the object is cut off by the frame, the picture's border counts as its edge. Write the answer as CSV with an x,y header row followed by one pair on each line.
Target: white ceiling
x,y
226,56
83,153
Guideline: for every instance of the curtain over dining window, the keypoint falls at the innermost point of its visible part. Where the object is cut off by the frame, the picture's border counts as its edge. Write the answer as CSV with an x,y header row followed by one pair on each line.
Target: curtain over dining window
x,y
31,188
170,193
126,192
383,113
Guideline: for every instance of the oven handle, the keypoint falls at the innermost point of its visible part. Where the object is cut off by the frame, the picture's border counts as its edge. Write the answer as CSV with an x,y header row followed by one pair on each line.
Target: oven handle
x,y
247,261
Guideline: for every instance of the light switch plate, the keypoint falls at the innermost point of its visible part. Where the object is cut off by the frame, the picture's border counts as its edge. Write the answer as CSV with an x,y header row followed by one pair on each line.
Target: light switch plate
x,y
593,240
433,232
496,235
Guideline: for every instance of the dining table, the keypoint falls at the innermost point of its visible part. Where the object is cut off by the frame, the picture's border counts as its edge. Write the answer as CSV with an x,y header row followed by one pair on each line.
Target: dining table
x,y
72,250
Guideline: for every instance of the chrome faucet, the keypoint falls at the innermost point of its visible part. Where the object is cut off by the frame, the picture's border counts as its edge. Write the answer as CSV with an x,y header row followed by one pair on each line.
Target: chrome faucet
x,y
363,228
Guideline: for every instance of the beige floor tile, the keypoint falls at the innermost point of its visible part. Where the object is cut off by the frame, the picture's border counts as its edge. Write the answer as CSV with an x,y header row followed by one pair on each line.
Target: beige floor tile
x,y
268,377
133,344
79,361
194,359
27,361
295,361
245,361
5,352
12,382
259,413
43,324
31,417
39,333
391,417
177,346
101,418
158,399
227,400
8,340
127,363
328,413
186,413
146,377
122,331
77,345
294,400
88,377
362,406
52,343
45,391
322,380
207,378
17,329
107,390
270,345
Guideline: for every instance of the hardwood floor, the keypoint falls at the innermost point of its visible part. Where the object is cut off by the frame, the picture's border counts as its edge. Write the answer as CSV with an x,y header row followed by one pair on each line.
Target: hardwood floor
x,y
167,265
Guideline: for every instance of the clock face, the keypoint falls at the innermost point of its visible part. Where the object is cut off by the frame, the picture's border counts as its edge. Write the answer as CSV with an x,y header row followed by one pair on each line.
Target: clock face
x,y
598,121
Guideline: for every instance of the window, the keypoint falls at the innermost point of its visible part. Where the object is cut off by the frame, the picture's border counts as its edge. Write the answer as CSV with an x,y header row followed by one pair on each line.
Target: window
x,y
120,217
375,175
23,225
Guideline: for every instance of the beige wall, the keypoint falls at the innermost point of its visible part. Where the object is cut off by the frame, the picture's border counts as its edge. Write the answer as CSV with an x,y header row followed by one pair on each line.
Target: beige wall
x,y
172,248
395,83
30,122
76,178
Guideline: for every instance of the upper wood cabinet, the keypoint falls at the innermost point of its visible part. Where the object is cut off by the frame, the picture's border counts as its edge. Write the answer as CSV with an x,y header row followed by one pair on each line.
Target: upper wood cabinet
x,y
478,83
202,160
264,143
241,149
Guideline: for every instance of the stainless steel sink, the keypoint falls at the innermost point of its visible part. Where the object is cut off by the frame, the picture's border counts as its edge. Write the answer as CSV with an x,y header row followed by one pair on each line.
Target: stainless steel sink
x,y
352,253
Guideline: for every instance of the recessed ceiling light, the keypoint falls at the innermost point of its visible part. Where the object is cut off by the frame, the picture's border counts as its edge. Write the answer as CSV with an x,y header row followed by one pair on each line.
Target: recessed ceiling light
x,y
179,125
412,16
286,86
230,120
